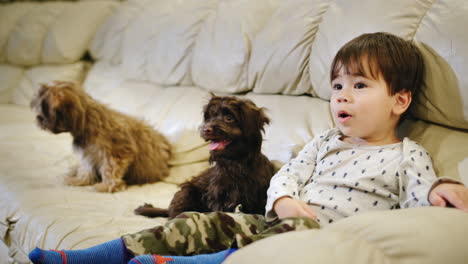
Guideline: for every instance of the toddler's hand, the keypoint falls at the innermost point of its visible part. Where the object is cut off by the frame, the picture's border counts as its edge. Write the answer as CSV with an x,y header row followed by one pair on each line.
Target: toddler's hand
x,y
455,194
289,207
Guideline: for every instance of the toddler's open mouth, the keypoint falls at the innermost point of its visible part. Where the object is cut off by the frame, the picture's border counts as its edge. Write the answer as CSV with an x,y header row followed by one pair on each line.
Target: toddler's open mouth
x,y
343,116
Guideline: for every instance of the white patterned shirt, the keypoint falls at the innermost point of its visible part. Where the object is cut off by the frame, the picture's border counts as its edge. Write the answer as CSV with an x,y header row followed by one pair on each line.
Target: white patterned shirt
x,y
338,179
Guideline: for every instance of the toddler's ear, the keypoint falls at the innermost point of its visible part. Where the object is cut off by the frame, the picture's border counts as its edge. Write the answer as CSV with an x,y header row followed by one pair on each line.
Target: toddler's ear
x,y
402,102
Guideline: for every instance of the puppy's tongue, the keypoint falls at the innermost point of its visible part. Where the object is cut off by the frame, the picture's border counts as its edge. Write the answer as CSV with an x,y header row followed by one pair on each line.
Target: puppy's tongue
x,y
218,145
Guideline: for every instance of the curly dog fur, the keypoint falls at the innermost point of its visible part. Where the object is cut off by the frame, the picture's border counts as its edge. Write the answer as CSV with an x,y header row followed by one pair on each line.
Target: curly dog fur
x,y
240,174
114,149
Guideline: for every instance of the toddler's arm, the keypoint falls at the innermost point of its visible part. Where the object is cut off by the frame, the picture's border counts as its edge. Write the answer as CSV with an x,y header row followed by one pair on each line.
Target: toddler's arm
x,y
416,175
446,194
292,177
289,207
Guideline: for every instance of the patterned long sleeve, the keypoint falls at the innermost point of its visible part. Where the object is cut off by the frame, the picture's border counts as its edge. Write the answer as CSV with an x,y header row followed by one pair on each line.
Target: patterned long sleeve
x,y
339,179
417,176
293,176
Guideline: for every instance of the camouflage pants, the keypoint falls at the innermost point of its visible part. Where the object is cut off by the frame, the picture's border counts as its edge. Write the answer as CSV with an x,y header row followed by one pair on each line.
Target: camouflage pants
x,y
198,233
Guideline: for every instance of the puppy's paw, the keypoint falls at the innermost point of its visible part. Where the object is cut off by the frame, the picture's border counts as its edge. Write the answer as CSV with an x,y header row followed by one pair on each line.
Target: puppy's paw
x,y
142,208
77,181
103,187
70,180
72,171
78,176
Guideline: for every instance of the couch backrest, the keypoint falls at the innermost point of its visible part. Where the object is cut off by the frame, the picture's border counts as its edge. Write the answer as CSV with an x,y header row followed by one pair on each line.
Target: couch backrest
x,y
274,46
147,49
43,41
50,32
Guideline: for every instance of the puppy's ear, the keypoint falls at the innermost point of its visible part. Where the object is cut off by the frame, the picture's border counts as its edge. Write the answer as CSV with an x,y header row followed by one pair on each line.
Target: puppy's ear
x,y
37,97
254,117
67,85
67,112
213,101
42,89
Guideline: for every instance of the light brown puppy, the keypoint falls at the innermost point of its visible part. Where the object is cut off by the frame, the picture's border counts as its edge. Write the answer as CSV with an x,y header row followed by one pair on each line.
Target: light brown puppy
x,y
114,149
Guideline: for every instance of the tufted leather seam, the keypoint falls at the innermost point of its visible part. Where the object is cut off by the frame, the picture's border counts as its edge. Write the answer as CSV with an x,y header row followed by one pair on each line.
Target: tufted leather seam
x,y
12,30
311,89
57,18
422,17
190,49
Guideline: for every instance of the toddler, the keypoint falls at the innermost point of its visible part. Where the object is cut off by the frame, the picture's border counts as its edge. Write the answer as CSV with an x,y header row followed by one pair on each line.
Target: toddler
x,y
359,166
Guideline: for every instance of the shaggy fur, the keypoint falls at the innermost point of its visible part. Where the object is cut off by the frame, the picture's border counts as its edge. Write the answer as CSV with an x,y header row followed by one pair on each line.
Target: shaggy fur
x,y
239,174
114,149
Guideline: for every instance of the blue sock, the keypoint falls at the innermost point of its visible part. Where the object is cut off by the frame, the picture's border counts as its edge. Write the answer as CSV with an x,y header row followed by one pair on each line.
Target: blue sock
x,y
215,258
114,252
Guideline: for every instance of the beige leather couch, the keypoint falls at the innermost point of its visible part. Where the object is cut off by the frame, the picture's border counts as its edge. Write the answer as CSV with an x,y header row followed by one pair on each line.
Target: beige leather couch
x,y
159,59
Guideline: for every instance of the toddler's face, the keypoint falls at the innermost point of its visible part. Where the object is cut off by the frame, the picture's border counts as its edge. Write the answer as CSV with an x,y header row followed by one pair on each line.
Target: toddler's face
x,y
363,108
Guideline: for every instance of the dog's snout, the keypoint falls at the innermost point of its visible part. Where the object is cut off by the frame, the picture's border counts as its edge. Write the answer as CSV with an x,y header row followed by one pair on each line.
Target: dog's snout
x,y
40,118
207,130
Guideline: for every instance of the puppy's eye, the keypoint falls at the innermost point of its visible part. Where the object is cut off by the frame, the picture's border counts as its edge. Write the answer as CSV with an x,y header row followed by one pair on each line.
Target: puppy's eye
x,y
229,118
58,115
45,108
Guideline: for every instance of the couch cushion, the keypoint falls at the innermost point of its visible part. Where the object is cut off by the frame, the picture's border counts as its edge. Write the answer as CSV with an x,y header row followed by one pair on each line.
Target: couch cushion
x,y
206,43
280,51
107,42
222,48
398,236
10,77
34,76
35,33
295,120
11,15
157,44
444,99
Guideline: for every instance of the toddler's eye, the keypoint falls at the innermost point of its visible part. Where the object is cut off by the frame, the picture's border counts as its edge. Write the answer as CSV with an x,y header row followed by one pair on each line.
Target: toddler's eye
x,y
360,85
337,86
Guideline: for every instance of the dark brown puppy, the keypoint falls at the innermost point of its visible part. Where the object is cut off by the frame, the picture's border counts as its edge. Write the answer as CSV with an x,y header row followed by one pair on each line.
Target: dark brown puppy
x,y
240,174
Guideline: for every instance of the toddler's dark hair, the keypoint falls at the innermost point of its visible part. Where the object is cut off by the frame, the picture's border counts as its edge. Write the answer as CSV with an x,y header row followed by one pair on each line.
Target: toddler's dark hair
x,y
398,61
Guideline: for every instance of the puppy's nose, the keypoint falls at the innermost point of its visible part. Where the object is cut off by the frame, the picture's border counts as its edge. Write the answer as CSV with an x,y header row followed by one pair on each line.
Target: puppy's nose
x,y
207,130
